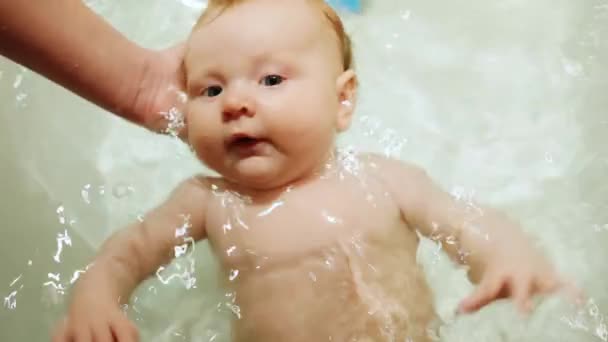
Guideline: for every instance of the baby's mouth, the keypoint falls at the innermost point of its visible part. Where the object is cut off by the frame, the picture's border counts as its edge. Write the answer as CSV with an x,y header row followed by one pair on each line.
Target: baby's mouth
x,y
245,145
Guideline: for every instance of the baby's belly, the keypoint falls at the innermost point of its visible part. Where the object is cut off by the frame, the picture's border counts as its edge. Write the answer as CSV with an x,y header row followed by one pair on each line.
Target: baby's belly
x,y
355,290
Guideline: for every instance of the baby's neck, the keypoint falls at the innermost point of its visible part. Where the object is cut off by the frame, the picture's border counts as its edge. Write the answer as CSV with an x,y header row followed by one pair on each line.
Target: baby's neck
x,y
320,171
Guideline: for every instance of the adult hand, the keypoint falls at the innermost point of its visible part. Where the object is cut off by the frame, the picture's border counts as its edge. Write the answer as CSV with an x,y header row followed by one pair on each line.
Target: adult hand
x,y
160,99
71,45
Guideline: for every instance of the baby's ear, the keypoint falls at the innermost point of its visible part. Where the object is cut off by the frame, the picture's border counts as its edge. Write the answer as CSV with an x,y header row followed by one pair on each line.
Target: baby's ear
x,y
346,85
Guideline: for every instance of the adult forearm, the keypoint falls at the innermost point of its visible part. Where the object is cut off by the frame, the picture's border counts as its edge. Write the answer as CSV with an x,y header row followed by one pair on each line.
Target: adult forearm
x,y
69,44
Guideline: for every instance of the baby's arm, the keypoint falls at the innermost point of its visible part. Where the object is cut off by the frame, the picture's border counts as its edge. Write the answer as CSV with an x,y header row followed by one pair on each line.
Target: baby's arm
x,y
500,256
127,258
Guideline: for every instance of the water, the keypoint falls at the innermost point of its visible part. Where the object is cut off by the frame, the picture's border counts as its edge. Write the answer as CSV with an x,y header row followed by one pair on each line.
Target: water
x,y
503,102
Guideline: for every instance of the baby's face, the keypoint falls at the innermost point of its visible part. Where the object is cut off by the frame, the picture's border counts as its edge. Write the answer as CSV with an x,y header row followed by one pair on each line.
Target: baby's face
x,y
266,92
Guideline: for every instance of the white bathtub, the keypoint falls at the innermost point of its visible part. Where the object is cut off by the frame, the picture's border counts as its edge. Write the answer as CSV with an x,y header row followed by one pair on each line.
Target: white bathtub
x,y
504,100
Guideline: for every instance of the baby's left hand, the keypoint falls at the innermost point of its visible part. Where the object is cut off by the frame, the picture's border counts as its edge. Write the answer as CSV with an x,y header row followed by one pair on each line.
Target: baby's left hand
x,y
520,276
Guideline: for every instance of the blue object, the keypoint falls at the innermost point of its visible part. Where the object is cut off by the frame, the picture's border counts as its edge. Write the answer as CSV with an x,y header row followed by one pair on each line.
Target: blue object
x,y
350,5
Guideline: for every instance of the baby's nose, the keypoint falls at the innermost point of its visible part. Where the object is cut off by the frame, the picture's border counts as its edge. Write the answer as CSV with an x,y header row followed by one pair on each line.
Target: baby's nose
x,y
235,113
237,105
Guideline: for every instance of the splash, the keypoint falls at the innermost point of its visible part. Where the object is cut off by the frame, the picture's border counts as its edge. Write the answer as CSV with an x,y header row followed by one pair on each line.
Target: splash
x,y
184,265
10,301
589,319
62,239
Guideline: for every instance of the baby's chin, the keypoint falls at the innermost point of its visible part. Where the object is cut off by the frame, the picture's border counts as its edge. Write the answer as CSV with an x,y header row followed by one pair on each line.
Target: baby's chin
x,y
259,173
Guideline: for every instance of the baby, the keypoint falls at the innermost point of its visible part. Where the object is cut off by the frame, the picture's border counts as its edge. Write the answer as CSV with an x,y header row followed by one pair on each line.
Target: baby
x,y
317,245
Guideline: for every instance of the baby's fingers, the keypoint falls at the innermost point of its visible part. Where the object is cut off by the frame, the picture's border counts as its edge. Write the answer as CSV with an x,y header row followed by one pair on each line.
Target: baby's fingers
x,y
124,331
522,294
66,332
572,293
566,288
488,290
60,334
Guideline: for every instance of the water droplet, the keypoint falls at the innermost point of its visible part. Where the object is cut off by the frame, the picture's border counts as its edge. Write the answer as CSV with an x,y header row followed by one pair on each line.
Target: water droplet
x,y
122,190
175,120
61,214
180,250
20,97
593,310
572,68
152,289
84,193
601,331
62,239
233,274
18,80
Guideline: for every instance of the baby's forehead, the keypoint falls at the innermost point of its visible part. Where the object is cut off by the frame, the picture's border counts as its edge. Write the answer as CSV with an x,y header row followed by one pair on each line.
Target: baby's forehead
x,y
263,24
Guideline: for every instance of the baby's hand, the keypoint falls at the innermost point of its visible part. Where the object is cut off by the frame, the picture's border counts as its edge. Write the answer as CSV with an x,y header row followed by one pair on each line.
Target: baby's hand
x,y
92,317
518,275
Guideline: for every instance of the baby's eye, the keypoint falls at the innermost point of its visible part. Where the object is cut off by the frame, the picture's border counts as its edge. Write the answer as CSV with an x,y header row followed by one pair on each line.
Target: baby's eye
x,y
272,80
212,91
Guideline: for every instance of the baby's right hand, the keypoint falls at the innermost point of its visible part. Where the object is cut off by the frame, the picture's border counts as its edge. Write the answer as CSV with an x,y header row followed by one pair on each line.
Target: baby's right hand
x,y
94,319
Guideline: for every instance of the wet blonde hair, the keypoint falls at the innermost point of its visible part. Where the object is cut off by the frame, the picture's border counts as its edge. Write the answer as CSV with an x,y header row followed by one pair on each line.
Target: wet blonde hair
x,y
216,7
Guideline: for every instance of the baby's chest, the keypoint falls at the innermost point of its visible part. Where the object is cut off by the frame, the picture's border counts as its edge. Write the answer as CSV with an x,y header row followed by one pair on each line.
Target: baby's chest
x,y
247,234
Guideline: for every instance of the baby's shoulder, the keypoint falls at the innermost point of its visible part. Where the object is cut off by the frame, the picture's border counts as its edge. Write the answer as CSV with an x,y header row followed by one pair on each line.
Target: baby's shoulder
x,y
391,169
194,189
